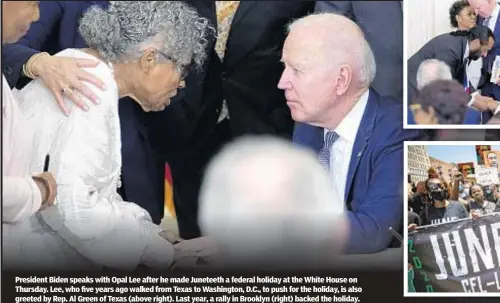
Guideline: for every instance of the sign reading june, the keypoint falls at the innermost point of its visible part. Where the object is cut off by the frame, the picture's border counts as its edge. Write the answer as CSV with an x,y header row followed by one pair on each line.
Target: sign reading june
x,y
460,256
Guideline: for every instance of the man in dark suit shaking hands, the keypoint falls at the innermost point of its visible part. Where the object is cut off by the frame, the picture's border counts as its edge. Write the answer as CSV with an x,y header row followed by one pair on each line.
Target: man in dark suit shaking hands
x,y
488,12
456,49
357,135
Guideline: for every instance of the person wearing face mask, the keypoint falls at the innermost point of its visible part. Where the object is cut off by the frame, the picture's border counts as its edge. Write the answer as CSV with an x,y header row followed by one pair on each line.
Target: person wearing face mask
x,y
464,195
441,209
480,205
465,191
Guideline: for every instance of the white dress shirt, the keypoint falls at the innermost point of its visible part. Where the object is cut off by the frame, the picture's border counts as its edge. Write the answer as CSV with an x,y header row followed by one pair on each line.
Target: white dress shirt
x,y
492,21
469,69
472,69
341,151
21,196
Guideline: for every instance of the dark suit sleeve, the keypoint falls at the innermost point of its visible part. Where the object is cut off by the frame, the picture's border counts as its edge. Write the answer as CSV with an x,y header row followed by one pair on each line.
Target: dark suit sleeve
x,y
169,130
341,7
14,56
382,206
451,57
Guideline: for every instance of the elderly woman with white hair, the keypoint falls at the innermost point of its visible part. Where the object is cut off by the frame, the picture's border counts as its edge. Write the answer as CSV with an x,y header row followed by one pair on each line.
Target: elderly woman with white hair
x,y
144,48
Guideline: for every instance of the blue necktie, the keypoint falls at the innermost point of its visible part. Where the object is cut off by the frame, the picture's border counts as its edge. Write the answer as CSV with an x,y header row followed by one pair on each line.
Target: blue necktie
x,y
486,21
324,153
466,79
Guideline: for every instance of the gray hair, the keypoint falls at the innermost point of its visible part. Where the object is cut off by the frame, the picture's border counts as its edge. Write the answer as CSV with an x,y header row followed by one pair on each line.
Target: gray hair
x,y
368,68
362,52
262,195
127,28
431,70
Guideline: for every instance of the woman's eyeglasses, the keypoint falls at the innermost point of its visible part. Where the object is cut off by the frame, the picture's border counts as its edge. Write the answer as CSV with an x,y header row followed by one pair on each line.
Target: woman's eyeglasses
x,y
181,69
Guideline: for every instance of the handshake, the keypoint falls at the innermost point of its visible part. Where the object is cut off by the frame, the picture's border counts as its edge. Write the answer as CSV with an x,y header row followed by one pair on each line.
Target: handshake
x,y
191,253
483,103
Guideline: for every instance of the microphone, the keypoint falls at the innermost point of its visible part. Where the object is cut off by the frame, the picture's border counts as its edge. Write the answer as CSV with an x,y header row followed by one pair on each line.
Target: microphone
x,y
46,164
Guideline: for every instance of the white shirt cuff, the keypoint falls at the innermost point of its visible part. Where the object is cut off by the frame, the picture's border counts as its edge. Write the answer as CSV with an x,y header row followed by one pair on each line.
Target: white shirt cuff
x,y
471,101
497,110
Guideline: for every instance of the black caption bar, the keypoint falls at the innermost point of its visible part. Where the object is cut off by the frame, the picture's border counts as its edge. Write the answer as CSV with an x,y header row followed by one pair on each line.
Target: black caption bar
x,y
166,288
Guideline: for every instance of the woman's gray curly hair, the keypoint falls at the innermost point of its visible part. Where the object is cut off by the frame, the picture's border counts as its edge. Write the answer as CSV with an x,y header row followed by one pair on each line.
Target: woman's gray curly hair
x,y
127,28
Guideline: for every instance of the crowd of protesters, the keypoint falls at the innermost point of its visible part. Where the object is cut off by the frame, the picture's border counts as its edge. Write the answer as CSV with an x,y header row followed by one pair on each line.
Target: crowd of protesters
x,y
436,201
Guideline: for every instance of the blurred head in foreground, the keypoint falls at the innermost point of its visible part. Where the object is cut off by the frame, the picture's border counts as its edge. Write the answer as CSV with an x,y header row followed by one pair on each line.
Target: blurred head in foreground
x,y
441,102
267,202
431,70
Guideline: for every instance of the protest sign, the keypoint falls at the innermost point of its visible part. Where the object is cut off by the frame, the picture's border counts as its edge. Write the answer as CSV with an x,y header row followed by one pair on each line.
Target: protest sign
x,y
460,256
479,153
491,159
487,176
467,169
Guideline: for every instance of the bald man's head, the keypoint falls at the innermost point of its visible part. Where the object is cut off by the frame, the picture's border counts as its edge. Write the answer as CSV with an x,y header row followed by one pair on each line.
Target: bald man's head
x,y
332,39
327,60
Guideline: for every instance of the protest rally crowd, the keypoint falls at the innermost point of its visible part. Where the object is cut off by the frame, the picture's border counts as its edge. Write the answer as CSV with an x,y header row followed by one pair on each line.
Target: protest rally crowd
x,y
434,201
454,78
99,95
434,204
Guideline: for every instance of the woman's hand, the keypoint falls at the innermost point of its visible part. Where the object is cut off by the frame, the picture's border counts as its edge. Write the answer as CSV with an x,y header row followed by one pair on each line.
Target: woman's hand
x,y
48,189
64,75
412,227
